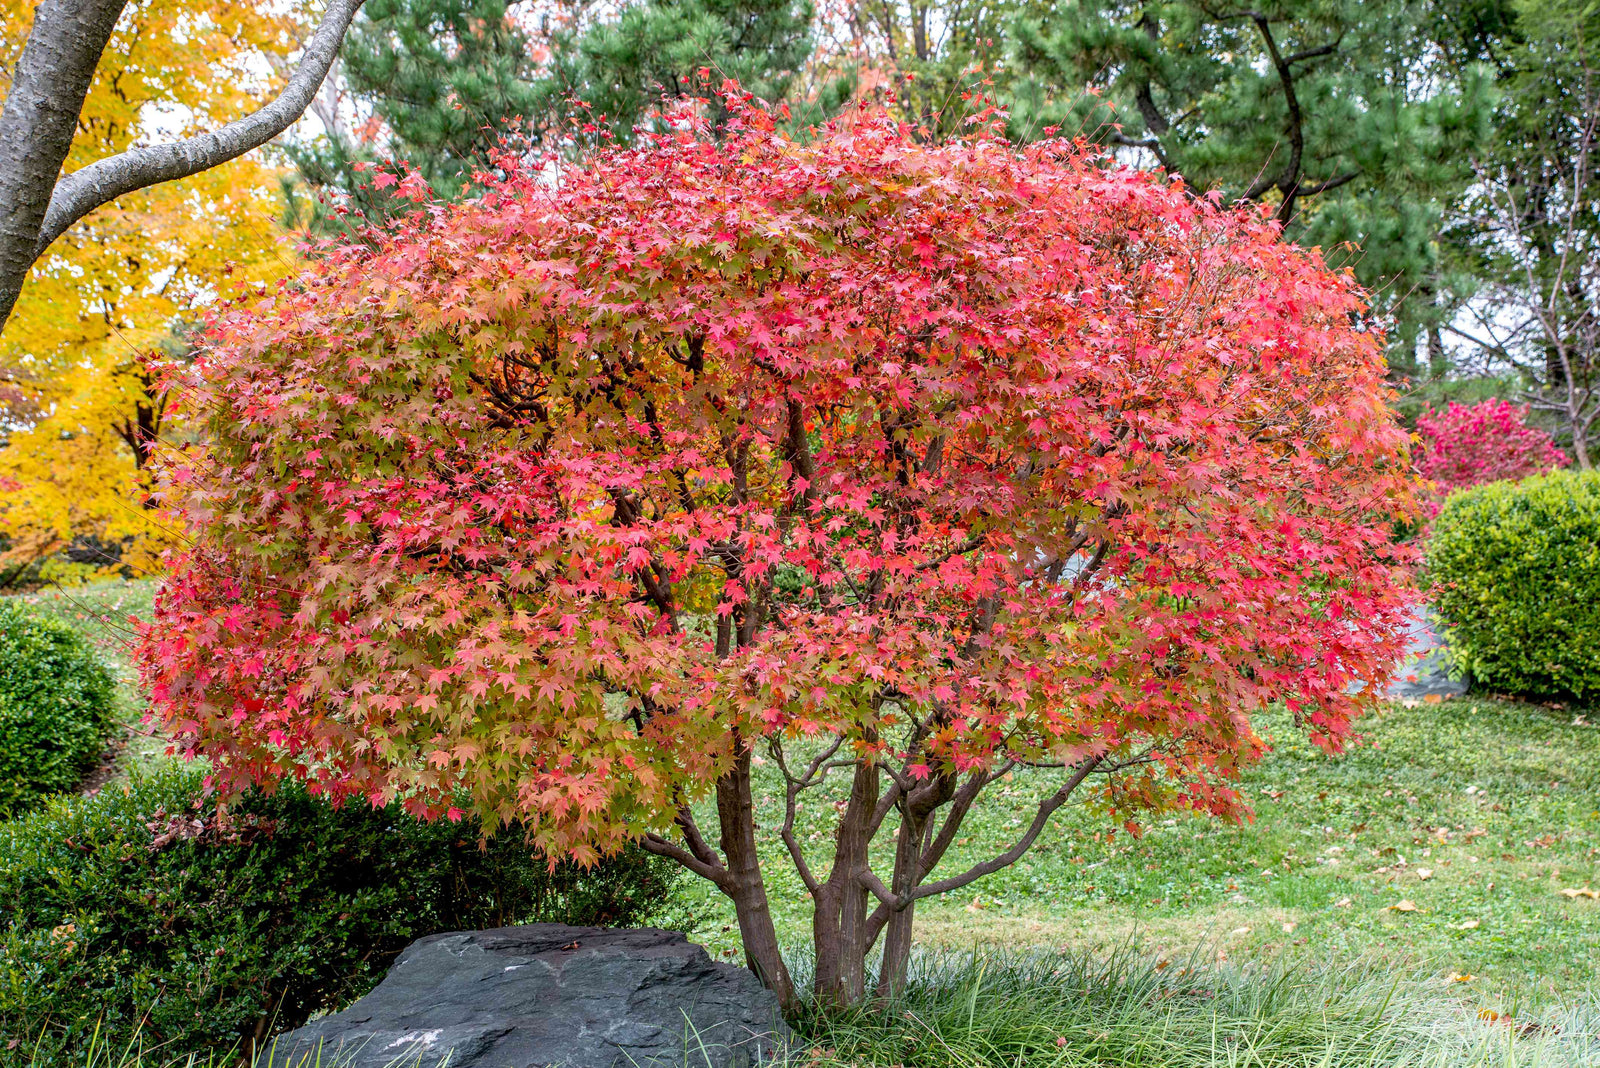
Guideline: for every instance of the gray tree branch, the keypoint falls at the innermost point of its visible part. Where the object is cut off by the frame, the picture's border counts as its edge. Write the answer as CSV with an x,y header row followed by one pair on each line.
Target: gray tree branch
x,y
41,112
38,121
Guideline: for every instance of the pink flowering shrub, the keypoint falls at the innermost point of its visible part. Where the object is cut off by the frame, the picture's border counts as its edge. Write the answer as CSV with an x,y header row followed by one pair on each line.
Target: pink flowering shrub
x,y
1470,444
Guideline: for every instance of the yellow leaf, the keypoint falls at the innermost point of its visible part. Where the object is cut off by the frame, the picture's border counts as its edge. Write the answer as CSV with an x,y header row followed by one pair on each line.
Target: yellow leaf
x,y
111,289
1584,892
1424,873
1406,905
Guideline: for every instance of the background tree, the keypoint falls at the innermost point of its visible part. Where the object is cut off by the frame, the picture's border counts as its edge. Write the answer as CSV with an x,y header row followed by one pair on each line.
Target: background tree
x,y
932,64
916,466
55,72
655,51
1347,117
441,82
1531,224
77,417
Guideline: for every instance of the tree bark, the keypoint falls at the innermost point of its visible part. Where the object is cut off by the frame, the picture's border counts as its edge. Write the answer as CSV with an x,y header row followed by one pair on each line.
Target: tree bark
x,y
38,122
840,932
743,884
910,854
41,115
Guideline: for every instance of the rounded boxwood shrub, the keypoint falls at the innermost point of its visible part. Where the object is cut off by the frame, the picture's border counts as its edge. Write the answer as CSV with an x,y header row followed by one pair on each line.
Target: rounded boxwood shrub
x,y
150,914
57,705
1514,569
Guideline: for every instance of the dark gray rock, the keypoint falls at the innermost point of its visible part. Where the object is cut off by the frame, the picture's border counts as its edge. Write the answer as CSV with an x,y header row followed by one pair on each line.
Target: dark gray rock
x,y
549,995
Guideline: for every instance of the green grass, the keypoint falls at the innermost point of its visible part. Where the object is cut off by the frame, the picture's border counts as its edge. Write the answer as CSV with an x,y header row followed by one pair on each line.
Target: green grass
x,y
1075,1010
1499,802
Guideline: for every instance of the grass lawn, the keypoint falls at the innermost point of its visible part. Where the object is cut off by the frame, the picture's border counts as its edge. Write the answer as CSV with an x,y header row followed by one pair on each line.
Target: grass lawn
x,y
1477,813
1438,848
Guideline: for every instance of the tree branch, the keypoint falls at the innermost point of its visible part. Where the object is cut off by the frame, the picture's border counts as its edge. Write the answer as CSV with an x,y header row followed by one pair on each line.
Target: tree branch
x,y
654,843
103,181
1047,808
38,122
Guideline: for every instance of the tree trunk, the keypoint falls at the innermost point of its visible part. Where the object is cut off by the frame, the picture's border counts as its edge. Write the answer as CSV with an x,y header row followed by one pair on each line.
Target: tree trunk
x,y
911,847
1580,447
897,930
744,885
839,924
38,122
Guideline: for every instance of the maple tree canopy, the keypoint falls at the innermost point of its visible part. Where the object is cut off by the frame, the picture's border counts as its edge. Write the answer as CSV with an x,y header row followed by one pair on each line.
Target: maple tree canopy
x,y
913,463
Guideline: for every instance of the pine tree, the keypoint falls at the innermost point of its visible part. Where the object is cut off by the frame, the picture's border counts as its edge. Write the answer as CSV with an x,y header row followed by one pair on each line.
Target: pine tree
x,y
1345,115
446,80
612,73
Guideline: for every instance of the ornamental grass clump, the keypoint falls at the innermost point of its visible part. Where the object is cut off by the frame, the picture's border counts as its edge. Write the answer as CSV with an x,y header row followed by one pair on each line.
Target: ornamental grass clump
x,y
921,465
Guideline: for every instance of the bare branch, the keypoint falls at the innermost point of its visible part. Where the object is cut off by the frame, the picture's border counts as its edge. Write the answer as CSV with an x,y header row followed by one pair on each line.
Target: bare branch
x,y
1047,808
654,843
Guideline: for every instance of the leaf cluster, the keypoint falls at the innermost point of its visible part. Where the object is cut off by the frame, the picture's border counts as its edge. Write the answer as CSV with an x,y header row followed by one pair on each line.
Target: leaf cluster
x,y
1080,470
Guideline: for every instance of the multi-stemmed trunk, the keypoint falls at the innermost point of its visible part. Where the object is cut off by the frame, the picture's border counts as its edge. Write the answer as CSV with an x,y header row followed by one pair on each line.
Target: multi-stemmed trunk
x,y
854,912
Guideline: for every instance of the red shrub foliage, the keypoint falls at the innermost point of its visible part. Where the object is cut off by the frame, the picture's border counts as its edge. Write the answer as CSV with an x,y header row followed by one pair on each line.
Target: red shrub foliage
x,y
903,464
1469,444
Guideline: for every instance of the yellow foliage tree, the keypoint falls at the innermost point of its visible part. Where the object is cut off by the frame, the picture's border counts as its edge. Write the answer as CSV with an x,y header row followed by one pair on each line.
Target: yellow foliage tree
x,y
77,409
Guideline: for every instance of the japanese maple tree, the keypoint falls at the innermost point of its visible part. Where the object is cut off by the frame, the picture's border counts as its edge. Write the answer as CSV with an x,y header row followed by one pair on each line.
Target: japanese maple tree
x,y
910,465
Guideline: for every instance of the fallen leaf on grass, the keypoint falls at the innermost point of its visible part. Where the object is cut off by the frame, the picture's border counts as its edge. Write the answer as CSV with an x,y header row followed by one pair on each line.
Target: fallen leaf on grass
x,y
1289,927
1424,873
1402,906
1342,903
1584,892
1462,978
1464,925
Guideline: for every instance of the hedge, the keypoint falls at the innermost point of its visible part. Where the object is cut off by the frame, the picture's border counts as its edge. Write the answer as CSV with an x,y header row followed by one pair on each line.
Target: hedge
x,y
147,911
1514,570
57,707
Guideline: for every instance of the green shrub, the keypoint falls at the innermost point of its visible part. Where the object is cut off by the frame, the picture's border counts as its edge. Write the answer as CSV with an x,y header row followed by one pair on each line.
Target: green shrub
x,y
56,707
1515,576
144,911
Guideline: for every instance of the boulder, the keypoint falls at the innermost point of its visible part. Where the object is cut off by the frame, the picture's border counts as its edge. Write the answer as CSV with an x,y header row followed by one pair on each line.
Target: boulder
x,y
549,995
